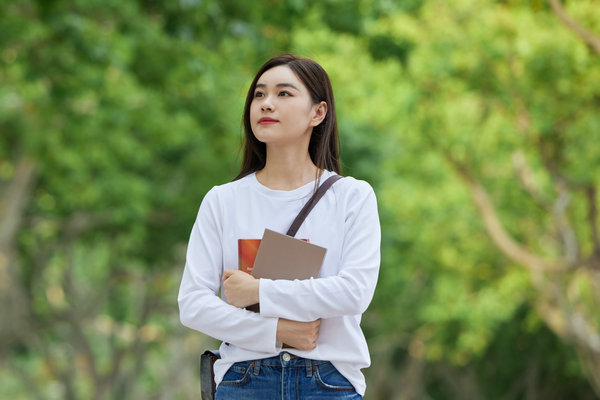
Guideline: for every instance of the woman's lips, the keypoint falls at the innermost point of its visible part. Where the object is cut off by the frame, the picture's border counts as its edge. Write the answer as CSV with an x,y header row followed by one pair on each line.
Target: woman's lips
x,y
267,121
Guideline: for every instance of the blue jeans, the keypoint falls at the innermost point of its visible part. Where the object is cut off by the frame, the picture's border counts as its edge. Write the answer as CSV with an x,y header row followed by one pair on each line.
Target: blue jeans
x,y
285,377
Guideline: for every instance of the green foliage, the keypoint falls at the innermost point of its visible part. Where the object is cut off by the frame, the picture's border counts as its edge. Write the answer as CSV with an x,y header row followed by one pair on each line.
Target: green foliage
x,y
131,111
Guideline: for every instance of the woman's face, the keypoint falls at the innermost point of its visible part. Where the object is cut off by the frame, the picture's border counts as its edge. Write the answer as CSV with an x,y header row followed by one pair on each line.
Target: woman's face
x,y
282,111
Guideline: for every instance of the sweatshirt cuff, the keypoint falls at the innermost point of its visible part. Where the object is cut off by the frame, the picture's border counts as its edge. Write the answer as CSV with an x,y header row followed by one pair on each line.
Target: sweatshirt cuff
x,y
268,342
263,289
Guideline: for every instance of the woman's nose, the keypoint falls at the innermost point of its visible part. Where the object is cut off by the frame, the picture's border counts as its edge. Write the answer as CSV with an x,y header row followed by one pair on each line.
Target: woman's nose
x,y
267,105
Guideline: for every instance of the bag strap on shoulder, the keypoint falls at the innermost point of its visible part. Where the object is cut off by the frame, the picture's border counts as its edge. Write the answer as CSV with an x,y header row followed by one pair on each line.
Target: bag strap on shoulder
x,y
311,203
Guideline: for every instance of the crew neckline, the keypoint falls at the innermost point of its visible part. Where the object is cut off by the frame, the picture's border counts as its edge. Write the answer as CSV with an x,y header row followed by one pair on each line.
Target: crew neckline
x,y
297,193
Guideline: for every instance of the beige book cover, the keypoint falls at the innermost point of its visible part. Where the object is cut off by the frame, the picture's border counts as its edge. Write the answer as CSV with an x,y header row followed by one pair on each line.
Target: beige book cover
x,y
284,257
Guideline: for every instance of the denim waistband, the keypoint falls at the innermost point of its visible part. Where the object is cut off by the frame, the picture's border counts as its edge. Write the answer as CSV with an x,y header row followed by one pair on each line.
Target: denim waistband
x,y
282,360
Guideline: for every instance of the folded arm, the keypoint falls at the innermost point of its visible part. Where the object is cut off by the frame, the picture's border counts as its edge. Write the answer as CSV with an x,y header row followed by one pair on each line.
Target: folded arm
x,y
200,307
347,293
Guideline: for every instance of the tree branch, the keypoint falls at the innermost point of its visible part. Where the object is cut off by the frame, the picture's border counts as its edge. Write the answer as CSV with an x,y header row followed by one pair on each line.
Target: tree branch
x,y
592,199
14,303
565,231
11,209
81,342
501,238
65,376
572,325
526,176
588,37
138,351
590,364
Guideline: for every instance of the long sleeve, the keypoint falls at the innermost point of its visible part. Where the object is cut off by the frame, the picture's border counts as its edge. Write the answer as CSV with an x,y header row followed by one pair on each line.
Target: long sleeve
x,y
200,307
351,290
345,222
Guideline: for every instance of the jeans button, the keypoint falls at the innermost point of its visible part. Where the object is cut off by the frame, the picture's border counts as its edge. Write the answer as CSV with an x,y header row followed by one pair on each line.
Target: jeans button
x,y
286,357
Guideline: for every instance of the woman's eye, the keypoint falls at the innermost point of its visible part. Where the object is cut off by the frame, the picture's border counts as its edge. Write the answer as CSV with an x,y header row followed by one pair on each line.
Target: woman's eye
x,y
258,94
284,93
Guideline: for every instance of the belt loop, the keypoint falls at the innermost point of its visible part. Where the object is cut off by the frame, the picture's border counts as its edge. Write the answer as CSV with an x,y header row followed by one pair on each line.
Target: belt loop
x,y
308,364
256,367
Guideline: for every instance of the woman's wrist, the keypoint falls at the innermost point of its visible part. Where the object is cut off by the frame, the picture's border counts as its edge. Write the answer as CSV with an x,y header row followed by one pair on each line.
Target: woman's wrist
x,y
255,291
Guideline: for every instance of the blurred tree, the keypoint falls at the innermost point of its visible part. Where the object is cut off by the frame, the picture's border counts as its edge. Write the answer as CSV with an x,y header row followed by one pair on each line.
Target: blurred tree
x,y
110,136
448,87
116,118
509,100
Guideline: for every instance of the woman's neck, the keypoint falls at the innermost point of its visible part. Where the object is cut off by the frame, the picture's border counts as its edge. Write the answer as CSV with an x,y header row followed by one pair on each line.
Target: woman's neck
x,y
287,170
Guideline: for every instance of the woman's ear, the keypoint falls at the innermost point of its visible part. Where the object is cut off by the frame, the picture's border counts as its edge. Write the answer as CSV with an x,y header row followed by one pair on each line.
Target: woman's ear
x,y
320,111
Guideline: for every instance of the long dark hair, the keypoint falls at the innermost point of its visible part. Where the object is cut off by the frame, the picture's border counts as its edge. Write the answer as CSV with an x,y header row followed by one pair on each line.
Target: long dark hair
x,y
323,148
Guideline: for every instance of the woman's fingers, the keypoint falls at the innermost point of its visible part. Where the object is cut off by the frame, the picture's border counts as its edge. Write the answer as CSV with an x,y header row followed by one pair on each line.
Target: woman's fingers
x,y
299,335
228,272
241,289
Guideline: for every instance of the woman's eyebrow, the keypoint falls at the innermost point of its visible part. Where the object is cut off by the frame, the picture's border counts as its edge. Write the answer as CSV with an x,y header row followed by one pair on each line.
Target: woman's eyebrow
x,y
284,84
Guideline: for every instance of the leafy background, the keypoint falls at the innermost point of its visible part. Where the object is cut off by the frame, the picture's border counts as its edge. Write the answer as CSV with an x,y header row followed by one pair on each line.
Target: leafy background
x,y
476,121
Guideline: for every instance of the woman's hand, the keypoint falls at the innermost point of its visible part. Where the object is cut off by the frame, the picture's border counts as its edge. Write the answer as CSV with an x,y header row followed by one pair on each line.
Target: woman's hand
x,y
299,335
241,289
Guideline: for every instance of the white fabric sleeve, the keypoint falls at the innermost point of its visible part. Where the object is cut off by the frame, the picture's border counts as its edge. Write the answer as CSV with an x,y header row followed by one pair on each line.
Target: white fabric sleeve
x,y
347,293
200,307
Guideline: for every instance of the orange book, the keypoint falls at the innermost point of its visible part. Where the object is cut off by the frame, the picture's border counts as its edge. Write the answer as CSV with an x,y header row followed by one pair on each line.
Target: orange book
x,y
247,249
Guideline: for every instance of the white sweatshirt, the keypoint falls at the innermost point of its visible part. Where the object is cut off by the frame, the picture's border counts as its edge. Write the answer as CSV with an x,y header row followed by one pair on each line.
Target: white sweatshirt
x,y
345,222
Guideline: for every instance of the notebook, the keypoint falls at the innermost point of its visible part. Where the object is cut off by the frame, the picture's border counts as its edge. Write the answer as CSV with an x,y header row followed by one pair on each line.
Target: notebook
x,y
284,257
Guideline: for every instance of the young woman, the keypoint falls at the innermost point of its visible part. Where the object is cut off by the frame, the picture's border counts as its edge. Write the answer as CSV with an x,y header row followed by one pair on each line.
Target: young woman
x,y
291,145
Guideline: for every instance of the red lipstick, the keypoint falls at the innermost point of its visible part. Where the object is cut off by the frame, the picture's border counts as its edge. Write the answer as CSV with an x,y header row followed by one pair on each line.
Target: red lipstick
x,y
267,121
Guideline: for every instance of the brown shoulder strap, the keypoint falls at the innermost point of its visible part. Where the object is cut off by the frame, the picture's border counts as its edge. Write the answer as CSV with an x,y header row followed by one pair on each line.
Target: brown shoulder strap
x,y
311,203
